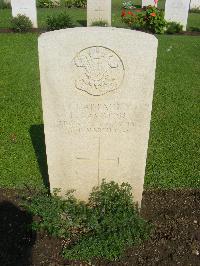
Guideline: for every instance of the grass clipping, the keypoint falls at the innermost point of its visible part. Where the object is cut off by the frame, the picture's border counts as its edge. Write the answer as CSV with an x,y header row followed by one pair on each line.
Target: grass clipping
x,y
101,228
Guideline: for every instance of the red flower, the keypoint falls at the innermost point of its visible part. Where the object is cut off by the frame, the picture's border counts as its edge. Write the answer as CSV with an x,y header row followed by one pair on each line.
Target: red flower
x,y
123,13
153,14
130,13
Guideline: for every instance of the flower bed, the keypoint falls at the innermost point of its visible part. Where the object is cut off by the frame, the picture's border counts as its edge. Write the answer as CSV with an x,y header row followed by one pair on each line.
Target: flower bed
x,y
149,19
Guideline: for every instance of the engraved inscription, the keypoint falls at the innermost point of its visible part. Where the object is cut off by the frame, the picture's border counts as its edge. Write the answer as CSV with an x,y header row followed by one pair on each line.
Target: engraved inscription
x,y
100,119
98,70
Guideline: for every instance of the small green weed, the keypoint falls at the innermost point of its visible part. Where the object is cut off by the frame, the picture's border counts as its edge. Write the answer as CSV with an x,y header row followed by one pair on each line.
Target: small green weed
x,y
100,23
101,228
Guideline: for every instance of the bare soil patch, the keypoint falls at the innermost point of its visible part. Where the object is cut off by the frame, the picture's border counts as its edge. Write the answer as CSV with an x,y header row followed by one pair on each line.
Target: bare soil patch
x,y
175,238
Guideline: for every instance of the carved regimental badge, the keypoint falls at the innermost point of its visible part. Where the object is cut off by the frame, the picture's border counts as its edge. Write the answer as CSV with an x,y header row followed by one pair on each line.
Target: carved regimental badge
x,y
99,70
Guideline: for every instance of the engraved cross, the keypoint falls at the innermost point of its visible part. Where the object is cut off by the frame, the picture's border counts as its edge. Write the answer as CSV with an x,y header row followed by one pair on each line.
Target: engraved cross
x,y
99,159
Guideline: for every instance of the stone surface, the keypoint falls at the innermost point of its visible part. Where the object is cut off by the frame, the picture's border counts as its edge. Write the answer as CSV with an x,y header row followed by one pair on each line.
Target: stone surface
x,y
98,10
177,11
25,7
97,97
148,3
195,4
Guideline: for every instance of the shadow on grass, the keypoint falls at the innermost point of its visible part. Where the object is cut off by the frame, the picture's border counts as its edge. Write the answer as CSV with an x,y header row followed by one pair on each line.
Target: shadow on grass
x,y
16,240
38,141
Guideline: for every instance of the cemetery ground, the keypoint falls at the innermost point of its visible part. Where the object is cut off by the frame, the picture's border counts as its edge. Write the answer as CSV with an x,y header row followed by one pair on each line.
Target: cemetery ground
x,y
171,199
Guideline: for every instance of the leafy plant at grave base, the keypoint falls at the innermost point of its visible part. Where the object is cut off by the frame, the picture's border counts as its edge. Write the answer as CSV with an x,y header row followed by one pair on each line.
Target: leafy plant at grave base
x,y
47,3
4,5
101,228
59,21
173,27
59,217
100,23
150,20
21,23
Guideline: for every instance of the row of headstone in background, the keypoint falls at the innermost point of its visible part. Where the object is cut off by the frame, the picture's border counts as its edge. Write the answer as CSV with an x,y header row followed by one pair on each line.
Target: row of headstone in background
x,y
101,10
27,8
194,4
177,11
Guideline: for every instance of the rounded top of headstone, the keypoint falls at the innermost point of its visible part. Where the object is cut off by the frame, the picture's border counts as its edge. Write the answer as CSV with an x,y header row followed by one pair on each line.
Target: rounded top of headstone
x,y
98,32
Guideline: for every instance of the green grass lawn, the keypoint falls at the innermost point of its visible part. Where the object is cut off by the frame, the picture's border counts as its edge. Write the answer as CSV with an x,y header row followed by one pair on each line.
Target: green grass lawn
x,y
20,108
79,15
173,155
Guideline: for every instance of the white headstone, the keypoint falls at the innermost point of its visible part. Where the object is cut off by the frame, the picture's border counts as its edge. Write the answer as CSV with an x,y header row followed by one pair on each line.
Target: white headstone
x,y
97,99
195,4
149,3
177,11
98,10
25,7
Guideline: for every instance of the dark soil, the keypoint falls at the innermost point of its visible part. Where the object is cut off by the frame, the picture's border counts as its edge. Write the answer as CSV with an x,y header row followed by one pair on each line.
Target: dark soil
x,y
175,239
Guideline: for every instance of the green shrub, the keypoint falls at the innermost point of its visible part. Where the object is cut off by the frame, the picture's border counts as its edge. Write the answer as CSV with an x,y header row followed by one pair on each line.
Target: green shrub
x,y
21,23
47,3
194,29
100,23
150,20
60,21
80,3
102,228
75,3
173,27
195,10
4,5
